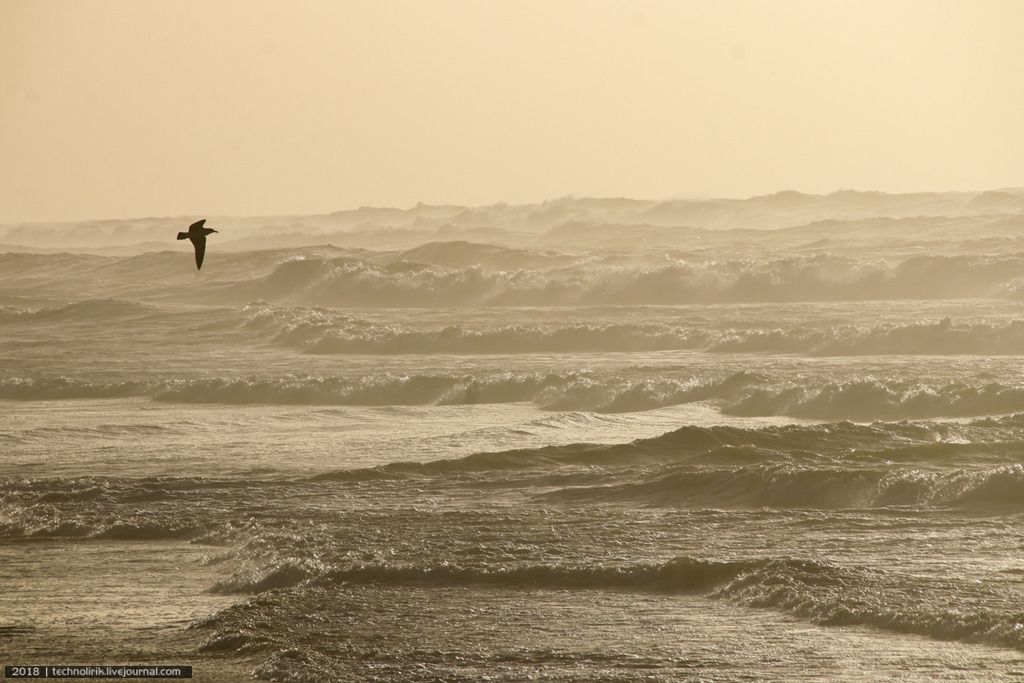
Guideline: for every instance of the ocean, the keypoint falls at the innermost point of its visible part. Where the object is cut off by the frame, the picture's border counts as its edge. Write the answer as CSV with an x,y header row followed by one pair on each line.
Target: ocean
x,y
453,461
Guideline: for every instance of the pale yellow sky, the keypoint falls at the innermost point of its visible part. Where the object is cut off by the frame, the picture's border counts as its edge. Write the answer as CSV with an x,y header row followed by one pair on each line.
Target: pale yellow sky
x,y
121,108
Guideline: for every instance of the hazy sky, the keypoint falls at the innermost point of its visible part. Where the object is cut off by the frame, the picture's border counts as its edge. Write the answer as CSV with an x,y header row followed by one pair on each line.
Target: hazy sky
x,y
130,108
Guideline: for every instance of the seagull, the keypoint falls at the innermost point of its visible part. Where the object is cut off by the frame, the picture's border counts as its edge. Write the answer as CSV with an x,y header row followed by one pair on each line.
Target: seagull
x,y
197,233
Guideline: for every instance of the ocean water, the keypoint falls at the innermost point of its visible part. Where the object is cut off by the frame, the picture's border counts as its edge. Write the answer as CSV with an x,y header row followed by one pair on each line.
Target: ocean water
x,y
318,464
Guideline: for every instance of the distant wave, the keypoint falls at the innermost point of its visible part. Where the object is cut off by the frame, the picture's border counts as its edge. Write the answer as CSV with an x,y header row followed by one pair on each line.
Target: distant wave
x,y
741,394
351,282
52,388
90,310
583,216
458,274
927,338
552,391
463,254
872,399
330,331
319,330
326,331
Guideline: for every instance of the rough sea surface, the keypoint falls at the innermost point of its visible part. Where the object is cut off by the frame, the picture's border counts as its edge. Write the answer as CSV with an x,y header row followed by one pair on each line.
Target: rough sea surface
x,y
464,462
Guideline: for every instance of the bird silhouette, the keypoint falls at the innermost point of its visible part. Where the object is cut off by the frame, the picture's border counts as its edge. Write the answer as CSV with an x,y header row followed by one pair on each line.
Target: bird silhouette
x,y
197,233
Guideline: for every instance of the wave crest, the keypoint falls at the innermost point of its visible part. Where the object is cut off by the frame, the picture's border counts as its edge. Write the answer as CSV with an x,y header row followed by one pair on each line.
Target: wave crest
x,y
741,394
325,331
349,281
821,592
797,486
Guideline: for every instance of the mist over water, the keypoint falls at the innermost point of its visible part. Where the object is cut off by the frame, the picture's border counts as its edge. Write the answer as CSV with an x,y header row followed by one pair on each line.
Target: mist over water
x,y
779,438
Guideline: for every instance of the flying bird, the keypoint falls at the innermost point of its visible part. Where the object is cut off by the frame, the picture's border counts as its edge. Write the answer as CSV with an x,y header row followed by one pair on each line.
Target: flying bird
x,y
197,233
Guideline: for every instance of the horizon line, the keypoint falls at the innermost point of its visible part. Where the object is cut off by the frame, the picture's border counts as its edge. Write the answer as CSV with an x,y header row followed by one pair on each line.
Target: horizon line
x,y
561,198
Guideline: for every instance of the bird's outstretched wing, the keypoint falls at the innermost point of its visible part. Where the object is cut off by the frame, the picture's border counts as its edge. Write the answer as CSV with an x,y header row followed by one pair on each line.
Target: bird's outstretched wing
x,y
199,242
196,225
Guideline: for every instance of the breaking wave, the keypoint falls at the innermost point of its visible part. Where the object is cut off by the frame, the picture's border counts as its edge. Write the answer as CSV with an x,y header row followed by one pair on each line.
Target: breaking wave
x,y
552,391
351,281
118,509
929,338
452,274
329,331
874,399
820,592
740,394
324,331
319,330
771,453
681,575
824,488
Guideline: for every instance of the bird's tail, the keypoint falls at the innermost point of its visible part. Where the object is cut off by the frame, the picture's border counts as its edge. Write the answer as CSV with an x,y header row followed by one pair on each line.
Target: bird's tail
x,y
182,235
